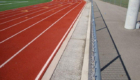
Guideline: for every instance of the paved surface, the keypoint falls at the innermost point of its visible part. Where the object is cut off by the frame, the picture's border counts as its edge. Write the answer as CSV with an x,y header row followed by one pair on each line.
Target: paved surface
x,y
116,61
118,47
71,62
29,39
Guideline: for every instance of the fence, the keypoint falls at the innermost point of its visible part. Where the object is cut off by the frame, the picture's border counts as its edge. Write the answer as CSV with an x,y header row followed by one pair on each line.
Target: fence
x,y
123,3
13,4
94,66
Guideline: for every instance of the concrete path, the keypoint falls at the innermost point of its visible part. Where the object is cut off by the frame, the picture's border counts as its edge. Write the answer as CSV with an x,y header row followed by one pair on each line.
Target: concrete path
x,y
69,60
119,48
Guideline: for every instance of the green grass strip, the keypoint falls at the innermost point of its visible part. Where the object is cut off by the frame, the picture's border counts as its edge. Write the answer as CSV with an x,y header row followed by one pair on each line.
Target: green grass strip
x,y
12,4
123,3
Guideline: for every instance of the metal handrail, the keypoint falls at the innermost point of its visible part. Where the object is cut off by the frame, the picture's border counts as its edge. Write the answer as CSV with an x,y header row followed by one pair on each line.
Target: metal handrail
x,y
94,45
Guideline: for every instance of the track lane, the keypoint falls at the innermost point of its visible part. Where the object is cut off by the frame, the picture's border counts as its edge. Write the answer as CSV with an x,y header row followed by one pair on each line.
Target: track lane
x,y
29,13
24,18
62,39
14,31
19,9
21,67
13,17
30,8
29,34
21,12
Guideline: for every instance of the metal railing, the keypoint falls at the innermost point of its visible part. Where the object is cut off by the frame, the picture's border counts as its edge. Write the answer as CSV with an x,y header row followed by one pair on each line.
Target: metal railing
x,y
94,55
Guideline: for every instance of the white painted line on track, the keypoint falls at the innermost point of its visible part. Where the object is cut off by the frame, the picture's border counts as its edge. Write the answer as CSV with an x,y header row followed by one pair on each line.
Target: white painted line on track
x,y
27,19
47,62
6,4
25,16
31,6
13,10
49,72
21,1
12,2
31,26
34,38
18,14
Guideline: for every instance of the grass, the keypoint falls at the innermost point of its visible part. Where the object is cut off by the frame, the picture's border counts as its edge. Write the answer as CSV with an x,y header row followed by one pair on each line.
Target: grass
x,y
123,3
12,4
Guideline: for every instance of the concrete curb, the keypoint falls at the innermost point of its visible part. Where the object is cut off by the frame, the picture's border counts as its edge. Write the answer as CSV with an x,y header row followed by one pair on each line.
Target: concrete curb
x,y
84,75
51,68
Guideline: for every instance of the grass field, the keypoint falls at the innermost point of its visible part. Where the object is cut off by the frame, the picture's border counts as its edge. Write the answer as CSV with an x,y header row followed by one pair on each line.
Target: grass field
x,y
123,3
12,4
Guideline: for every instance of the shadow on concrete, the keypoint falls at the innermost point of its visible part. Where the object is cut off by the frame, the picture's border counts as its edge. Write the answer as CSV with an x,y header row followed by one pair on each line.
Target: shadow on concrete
x,y
101,29
97,17
109,63
110,59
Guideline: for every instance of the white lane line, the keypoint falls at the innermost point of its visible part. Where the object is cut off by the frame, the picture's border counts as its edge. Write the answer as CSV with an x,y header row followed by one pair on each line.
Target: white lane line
x,y
40,9
18,9
19,13
12,11
31,41
40,6
21,1
6,4
26,20
12,3
31,25
45,4
26,15
49,71
47,62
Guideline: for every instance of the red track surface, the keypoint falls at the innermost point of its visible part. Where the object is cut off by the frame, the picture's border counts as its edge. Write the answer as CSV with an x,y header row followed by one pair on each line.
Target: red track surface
x,y
30,37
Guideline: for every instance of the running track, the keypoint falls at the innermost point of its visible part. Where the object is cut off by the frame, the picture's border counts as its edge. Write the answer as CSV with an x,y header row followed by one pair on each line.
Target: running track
x,y
30,37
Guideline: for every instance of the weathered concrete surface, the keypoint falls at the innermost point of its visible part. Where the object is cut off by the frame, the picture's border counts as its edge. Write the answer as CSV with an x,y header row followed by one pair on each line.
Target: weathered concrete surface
x,y
71,62
110,63
127,41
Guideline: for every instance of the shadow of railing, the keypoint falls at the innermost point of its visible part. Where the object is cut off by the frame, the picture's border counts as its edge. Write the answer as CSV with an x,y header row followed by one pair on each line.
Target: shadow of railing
x,y
118,54
101,29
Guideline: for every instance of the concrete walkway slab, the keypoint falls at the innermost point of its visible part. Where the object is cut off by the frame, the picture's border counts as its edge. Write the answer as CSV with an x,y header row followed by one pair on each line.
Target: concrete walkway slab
x,y
71,62
126,41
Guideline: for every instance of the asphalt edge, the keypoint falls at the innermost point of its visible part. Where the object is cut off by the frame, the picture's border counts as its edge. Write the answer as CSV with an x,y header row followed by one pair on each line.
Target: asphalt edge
x,y
84,74
49,72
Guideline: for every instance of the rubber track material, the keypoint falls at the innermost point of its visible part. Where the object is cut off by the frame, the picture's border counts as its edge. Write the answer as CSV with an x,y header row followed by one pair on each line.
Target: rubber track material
x,y
23,55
